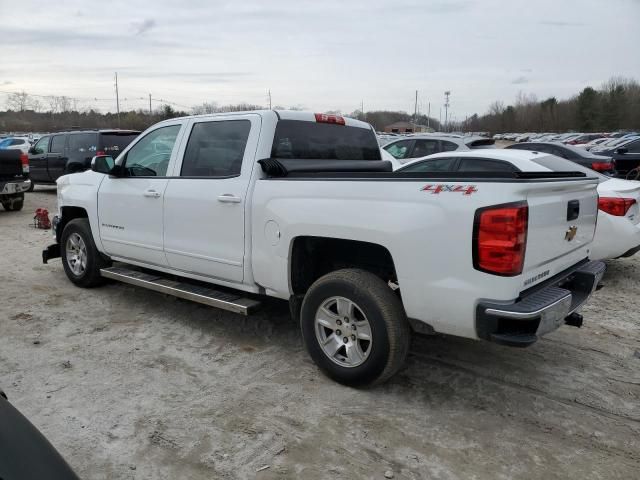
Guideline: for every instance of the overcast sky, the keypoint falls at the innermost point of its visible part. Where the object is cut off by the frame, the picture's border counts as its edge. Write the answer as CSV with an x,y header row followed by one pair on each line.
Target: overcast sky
x,y
320,55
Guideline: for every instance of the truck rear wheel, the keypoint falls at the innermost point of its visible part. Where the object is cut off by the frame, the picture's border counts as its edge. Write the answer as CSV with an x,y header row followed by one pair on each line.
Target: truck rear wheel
x,y
14,204
354,327
80,258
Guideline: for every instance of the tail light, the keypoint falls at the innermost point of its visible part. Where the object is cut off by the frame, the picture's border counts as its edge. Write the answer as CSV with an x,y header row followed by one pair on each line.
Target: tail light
x,y
602,166
100,152
324,118
615,206
24,160
500,239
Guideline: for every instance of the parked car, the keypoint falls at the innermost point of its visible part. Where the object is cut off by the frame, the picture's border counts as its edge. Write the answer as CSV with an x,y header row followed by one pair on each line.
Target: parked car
x,y
618,229
405,149
627,159
16,143
584,138
300,207
61,153
599,163
24,452
14,179
593,143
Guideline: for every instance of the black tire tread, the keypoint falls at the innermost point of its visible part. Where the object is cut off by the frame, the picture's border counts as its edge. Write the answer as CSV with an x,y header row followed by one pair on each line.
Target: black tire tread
x,y
390,306
95,260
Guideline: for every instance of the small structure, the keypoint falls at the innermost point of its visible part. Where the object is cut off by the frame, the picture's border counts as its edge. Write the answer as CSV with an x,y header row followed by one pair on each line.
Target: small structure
x,y
407,127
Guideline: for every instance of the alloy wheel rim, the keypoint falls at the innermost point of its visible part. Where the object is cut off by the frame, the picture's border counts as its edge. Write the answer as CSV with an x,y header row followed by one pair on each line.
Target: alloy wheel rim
x,y
76,251
343,332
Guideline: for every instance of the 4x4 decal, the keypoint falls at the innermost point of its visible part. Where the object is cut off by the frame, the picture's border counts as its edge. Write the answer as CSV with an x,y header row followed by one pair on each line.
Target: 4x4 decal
x,y
438,188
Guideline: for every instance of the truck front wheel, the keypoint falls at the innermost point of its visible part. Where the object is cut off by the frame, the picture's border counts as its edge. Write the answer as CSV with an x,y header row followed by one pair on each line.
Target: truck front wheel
x,y
80,258
354,327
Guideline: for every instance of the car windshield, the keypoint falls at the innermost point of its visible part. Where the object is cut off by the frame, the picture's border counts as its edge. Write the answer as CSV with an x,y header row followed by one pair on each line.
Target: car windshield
x,y
558,164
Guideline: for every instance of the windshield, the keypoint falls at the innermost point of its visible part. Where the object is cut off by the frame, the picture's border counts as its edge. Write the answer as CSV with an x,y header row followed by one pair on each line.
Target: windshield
x,y
312,140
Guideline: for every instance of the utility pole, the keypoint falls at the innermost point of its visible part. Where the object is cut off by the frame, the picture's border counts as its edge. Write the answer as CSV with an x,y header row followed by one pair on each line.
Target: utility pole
x,y
150,111
446,109
415,110
117,101
440,118
269,92
428,113
364,117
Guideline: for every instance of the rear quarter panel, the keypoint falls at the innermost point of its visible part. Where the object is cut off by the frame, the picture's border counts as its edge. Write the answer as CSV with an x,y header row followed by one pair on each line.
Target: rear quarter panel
x,y
429,236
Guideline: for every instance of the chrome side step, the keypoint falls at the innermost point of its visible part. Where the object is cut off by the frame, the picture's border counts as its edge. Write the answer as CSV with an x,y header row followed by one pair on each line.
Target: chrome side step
x,y
180,289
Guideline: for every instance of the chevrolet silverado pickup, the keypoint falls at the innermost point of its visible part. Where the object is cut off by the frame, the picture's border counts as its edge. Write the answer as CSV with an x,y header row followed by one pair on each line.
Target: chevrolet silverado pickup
x,y
226,209
14,179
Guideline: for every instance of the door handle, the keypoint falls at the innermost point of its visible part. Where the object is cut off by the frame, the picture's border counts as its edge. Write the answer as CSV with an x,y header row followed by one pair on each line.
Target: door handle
x,y
151,193
229,198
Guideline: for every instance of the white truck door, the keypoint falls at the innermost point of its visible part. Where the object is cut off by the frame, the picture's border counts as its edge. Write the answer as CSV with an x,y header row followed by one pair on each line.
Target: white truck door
x,y
130,206
205,201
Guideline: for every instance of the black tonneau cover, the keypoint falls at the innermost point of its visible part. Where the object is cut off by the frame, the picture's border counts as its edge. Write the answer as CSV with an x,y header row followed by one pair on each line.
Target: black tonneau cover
x,y
382,170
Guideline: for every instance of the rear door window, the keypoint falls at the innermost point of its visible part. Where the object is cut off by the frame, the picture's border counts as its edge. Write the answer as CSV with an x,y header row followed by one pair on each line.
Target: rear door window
x,y
323,141
216,149
434,165
446,146
112,143
423,148
82,145
485,165
57,143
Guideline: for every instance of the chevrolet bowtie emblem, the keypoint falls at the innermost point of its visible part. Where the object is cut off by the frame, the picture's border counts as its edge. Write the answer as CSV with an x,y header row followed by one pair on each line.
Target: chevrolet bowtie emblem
x,y
570,234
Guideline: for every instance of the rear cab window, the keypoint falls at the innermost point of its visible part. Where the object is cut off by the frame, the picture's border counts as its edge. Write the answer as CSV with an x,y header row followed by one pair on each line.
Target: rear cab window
x,y
485,165
323,141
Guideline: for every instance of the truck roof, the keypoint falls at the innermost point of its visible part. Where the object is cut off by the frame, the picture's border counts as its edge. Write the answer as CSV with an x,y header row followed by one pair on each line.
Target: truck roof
x,y
304,116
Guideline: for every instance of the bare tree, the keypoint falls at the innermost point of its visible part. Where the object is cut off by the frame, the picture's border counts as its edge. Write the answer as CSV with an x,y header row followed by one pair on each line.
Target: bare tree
x,y
18,101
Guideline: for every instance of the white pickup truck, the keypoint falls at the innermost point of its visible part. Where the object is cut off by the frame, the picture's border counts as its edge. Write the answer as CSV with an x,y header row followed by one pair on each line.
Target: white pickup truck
x,y
226,209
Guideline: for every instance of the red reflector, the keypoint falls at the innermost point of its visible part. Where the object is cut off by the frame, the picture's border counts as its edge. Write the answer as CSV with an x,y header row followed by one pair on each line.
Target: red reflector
x,y
615,206
24,160
324,118
100,152
500,239
602,166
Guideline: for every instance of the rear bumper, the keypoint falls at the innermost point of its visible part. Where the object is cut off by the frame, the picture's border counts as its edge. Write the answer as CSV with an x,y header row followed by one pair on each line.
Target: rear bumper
x,y
12,187
540,310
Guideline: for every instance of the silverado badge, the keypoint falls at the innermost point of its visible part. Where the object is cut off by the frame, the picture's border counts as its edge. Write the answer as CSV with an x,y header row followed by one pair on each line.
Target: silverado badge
x,y
570,234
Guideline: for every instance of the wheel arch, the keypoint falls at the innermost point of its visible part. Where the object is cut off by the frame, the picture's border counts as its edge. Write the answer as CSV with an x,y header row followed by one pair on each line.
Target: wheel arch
x,y
69,213
311,257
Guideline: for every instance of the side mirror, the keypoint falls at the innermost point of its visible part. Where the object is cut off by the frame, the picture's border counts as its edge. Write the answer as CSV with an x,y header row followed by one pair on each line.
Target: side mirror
x,y
622,150
102,164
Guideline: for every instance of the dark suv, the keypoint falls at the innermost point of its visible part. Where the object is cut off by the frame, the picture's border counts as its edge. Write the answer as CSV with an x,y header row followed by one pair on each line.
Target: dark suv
x,y
60,153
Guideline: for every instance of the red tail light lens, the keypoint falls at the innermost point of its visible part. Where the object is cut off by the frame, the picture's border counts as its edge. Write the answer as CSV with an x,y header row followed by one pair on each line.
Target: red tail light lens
x,y
100,152
602,166
324,118
24,160
500,239
615,206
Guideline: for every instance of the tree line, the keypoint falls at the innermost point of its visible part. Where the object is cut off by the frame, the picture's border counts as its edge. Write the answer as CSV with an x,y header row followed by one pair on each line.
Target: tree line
x,y
613,106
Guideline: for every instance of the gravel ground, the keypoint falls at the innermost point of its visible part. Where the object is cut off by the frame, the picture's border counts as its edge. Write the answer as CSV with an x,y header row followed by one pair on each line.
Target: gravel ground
x,y
130,384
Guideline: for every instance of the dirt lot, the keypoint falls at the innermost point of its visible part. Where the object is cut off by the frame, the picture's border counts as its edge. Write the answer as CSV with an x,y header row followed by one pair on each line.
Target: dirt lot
x,y
132,384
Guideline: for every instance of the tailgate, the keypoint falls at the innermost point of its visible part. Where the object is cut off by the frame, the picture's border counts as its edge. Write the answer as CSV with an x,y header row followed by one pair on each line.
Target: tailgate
x,y
562,222
10,164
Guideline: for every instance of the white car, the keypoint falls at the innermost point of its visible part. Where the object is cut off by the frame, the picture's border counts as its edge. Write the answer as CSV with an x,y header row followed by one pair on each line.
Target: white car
x,y
16,143
593,143
618,228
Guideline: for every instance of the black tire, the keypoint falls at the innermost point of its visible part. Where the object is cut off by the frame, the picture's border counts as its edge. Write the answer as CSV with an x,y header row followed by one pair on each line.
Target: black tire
x,y
14,204
90,276
390,331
